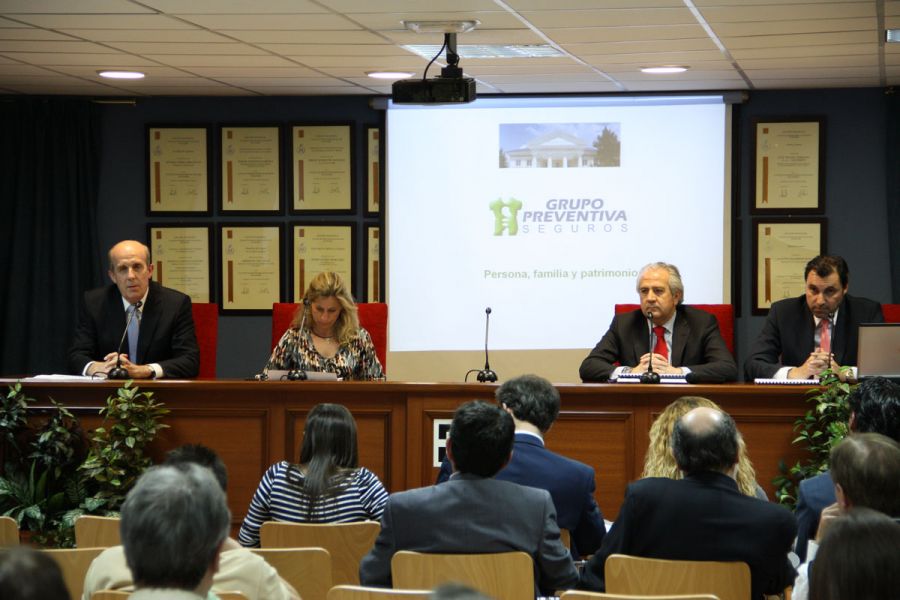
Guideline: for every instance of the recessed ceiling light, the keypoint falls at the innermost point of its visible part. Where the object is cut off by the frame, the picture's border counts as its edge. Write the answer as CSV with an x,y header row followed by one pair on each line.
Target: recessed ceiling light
x,y
892,36
489,50
390,74
441,26
121,74
664,70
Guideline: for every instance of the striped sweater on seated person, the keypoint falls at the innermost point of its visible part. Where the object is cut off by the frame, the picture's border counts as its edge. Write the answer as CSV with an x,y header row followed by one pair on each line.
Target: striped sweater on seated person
x,y
280,497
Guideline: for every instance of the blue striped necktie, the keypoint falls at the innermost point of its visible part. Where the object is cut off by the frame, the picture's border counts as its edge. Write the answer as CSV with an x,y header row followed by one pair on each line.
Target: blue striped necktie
x,y
134,326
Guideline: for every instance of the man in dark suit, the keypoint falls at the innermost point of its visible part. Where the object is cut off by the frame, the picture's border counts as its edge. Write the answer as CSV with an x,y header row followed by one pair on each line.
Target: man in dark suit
x,y
803,336
685,340
534,403
160,342
703,516
473,512
874,408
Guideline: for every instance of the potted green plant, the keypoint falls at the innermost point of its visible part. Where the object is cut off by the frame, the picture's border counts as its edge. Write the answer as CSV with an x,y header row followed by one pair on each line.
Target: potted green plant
x,y
819,430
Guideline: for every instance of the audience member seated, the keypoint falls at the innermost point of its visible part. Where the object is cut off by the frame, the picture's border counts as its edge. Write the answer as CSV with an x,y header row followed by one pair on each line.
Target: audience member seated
x,y
703,516
859,559
28,574
661,463
174,524
874,408
328,486
865,468
473,512
325,335
796,339
533,403
239,569
686,340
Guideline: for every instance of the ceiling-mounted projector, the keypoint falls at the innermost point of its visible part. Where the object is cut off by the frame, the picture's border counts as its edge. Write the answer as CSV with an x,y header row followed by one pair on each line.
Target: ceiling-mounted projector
x,y
450,87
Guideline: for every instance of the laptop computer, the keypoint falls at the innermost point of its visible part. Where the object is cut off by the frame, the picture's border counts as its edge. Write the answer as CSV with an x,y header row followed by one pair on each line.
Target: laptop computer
x,y
879,350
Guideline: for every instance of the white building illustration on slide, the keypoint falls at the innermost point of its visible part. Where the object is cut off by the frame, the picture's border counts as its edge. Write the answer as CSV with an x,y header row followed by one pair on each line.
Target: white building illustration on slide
x,y
555,149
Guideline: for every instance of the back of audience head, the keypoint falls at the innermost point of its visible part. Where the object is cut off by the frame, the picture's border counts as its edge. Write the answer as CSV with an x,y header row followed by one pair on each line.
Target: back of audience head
x,y
660,462
705,439
875,407
531,399
174,521
865,468
858,559
481,438
28,574
196,454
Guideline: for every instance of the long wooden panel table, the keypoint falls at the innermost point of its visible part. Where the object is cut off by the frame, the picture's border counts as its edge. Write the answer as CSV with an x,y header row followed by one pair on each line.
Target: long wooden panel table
x,y
254,424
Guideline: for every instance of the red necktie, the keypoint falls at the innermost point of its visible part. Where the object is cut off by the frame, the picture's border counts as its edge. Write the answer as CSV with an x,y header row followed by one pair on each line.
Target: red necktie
x,y
660,348
824,335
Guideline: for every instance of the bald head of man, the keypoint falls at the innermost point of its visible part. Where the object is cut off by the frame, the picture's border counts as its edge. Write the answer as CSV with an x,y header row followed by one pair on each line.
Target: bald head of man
x,y
705,439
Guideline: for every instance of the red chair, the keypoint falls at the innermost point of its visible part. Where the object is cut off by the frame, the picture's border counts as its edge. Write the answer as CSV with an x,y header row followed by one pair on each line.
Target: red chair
x,y
724,314
372,317
206,325
891,313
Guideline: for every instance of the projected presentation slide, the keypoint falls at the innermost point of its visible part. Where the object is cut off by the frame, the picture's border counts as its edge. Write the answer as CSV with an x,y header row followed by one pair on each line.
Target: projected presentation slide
x,y
545,210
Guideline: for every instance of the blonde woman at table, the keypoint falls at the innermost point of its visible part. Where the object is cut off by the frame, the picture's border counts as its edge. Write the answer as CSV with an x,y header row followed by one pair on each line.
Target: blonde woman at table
x,y
661,463
325,335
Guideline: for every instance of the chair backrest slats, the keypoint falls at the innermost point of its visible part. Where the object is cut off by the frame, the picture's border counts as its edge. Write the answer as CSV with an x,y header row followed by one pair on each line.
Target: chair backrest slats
x,y
502,576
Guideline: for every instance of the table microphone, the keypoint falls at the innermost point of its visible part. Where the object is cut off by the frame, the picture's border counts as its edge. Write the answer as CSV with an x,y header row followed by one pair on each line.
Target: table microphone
x,y
298,374
119,372
486,374
650,376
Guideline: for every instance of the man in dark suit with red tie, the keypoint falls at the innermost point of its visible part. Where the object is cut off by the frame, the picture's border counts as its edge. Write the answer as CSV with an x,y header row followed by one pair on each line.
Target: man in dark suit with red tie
x,y
803,336
160,341
686,341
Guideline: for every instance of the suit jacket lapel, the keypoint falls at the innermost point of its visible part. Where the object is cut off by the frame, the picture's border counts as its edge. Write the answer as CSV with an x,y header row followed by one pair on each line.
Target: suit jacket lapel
x,y
839,333
807,329
641,337
149,321
681,333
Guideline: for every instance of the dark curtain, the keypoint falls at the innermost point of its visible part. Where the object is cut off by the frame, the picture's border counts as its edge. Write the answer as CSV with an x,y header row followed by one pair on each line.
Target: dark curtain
x,y
49,176
893,189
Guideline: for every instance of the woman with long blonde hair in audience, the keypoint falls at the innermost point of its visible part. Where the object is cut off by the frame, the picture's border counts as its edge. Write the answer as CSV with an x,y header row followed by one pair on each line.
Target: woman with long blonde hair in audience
x,y
661,463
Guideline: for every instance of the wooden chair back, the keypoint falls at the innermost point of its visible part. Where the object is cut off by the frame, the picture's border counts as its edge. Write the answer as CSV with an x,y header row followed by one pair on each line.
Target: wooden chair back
x,y
581,595
648,576
206,326
74,563
357,592
502,575
566,538
108,595
347,543
9,532
307,569
97,532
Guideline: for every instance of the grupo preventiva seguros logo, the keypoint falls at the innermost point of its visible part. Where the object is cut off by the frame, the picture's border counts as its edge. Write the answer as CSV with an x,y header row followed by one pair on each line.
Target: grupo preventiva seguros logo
x,y
557,216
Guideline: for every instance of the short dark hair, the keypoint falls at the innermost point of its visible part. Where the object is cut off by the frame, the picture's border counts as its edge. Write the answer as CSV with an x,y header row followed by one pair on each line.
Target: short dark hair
x,y
532,399
29,574
876,404
174,521
481,438
712,449
867,467
195,454
857,559
826,264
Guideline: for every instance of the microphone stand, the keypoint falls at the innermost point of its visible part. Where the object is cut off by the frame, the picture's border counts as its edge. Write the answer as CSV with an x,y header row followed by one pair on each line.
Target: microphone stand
x,y
650,376
298,374
486,374
119,372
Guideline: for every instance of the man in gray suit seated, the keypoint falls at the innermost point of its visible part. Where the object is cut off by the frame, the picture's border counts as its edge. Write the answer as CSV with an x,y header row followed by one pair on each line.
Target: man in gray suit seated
x,y
473,512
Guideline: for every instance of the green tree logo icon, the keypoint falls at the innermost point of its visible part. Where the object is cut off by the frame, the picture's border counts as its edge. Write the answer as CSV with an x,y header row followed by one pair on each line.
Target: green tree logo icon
x,y
506,216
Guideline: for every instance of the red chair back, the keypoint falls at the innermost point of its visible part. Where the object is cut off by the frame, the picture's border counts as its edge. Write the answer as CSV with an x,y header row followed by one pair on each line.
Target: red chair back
x,y
891,313
206,325
724,314
372,317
